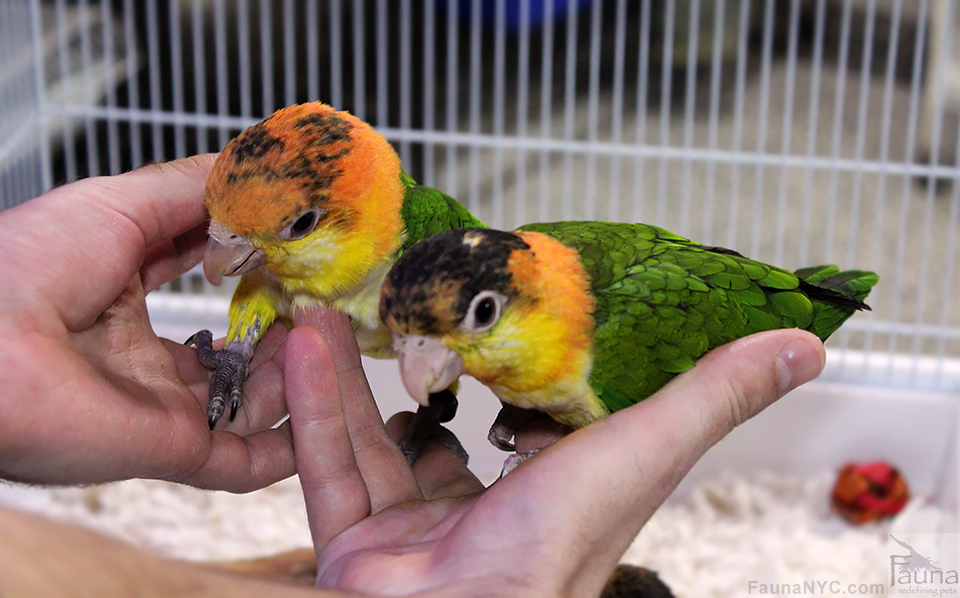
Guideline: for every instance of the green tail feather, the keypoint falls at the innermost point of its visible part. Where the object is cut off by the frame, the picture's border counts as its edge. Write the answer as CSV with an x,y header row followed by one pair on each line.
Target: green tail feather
x,y
836,295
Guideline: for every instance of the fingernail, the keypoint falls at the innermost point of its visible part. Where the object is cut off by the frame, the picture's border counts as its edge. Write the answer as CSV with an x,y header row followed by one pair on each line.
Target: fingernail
x,y
798,363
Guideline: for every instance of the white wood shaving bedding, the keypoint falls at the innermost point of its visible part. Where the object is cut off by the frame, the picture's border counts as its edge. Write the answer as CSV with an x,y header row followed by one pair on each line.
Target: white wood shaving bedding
x,y
772,529
767,528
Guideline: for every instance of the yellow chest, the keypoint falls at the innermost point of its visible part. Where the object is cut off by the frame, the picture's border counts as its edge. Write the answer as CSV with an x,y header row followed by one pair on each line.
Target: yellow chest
x,y
361,303
536,367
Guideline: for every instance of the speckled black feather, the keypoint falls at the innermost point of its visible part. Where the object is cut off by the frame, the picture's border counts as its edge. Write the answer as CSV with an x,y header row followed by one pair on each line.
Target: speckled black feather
x,y
472,259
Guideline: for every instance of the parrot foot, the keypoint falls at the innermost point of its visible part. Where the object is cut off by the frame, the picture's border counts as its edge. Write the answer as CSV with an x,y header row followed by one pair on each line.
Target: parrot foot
x,y
509,420
229,367
425,427
513,461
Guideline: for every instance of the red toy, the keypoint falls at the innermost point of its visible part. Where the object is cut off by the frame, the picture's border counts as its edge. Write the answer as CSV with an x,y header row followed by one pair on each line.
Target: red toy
x,y
868,491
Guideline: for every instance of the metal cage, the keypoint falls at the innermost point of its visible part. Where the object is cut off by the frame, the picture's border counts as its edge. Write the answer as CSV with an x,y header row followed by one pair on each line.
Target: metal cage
x,y
795,131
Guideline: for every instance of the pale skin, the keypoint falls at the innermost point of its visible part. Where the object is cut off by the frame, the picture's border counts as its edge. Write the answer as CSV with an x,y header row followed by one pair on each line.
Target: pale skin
x,y
89,400
82,371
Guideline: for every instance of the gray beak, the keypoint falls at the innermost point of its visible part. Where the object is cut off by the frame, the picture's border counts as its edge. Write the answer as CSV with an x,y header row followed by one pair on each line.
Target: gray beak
x,y
232,256
426,366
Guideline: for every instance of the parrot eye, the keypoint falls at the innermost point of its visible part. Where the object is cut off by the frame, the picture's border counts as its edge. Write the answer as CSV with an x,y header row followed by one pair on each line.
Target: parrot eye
x,y
303,225
484,311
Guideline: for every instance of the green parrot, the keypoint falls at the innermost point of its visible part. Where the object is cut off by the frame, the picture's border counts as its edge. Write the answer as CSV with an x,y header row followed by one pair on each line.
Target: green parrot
x,y
580,319
311,207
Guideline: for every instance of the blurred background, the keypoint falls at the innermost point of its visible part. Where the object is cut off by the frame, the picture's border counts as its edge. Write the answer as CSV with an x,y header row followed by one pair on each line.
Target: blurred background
x,y
795,131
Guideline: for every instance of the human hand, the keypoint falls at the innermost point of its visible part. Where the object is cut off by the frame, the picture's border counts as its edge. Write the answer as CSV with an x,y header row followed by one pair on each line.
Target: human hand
x,y
90,394
556,525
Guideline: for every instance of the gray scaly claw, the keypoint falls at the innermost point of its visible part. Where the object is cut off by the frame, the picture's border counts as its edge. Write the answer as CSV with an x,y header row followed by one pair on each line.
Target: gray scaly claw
x,y
425,427
235,398
513,461
214,411
203,342
230,367
509,420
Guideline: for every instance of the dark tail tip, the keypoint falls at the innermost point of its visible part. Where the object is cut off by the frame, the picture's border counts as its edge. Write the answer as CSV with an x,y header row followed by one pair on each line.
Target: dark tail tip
x,y
843,289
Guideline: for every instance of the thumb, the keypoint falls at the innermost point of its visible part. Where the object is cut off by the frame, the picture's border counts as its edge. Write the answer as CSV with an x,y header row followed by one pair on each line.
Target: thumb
x,y
614,473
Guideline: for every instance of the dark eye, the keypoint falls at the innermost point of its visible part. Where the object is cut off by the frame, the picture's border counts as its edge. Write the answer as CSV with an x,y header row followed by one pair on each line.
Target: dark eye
x,y
303,225
484,311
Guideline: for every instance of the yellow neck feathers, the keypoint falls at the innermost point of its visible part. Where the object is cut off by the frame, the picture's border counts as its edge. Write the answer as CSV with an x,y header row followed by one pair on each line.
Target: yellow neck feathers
x,y
544,341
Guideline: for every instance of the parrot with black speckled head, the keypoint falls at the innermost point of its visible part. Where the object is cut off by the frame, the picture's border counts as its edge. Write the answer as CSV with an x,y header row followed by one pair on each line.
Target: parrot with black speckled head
x,y
581,319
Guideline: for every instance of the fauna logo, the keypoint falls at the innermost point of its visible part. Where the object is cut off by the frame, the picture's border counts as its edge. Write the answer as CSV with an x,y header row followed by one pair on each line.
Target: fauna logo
x,y
917,571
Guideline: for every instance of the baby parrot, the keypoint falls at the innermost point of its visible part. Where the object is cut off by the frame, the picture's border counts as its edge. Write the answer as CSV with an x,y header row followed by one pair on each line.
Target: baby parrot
x,y
310,206
580,319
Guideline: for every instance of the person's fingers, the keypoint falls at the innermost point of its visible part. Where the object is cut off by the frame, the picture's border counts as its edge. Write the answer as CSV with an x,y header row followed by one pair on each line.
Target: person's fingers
x,y
439,472
642,452
170,194
398,424
386,472
118,217
191,371
727,386
442,475
333,487
243,463
735,382
170,258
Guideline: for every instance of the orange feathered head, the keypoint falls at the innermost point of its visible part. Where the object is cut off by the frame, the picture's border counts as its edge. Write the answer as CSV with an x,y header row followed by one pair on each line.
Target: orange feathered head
x,y
309,183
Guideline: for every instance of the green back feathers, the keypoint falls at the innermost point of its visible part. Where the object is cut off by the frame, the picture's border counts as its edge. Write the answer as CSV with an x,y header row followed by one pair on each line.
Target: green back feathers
x,y
426,212
662,301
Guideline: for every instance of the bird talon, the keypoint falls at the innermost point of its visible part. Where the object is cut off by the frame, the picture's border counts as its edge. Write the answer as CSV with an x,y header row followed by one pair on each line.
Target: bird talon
x,y
229,367
214,410
199,338
449,441
206,354
501,443
235,398
425,427
445,405
509,420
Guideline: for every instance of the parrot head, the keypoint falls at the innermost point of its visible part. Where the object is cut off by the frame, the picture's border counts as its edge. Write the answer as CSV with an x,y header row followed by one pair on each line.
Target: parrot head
x,y
311,194
512,310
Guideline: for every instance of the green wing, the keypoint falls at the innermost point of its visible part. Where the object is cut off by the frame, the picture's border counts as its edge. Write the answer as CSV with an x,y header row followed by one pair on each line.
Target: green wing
x,y
663,301
426,212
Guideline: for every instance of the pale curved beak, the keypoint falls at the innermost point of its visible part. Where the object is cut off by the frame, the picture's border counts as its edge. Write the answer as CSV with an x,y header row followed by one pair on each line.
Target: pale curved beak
x,y
426,366
233,257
